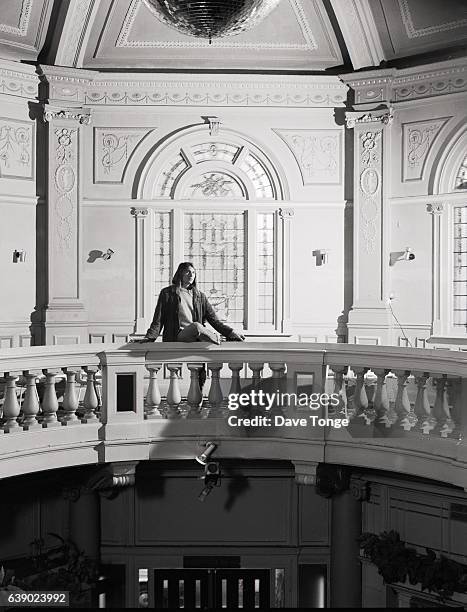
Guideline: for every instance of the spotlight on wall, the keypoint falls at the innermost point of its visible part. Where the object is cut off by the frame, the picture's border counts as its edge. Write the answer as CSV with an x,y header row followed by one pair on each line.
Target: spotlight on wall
x,y
212,478
321,256
108,254
19,256
209,448
405,255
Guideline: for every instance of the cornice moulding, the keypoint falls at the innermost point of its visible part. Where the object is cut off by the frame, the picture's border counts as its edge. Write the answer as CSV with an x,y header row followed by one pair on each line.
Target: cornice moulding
x,y
18,79
201,90
415,83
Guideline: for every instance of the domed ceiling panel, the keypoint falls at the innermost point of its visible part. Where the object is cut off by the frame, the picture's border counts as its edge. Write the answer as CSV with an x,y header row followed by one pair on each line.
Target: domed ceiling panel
x,y
410,27
297,35
23,27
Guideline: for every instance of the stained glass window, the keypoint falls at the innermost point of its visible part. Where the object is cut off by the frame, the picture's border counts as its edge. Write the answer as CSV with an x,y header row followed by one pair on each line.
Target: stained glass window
x,y
265,268
162,255
213,185
241,167
166,181
460,267
461,179
215,244
215,151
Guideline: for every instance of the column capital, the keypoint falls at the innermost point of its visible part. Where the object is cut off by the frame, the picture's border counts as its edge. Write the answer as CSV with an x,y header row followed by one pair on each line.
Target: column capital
x,y
80,115
359,488
305,472
354,118
286,213
138,212
435,208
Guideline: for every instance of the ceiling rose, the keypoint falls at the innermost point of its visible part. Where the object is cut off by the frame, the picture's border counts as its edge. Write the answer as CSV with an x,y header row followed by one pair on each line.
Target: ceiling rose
x,y
211,18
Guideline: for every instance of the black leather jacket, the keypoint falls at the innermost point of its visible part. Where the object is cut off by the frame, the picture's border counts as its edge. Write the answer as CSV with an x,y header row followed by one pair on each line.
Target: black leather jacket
x,y
166,315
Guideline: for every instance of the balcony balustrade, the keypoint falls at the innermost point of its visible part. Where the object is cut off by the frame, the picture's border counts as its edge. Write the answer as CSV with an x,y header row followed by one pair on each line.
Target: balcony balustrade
x,y
396,409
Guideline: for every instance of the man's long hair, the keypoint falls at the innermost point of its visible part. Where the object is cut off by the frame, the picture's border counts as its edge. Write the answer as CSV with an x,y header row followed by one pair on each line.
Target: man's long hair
x,y
182,268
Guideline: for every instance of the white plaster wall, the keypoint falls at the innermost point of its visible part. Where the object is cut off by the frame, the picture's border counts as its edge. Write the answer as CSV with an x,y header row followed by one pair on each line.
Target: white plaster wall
x,y
17,221
317,292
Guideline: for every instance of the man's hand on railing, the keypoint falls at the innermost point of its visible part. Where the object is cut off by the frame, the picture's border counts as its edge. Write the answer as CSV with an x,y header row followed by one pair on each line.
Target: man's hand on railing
x,y
141,340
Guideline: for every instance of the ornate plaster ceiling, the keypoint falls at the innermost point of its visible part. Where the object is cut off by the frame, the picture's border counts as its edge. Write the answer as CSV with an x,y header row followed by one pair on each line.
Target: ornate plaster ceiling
x,y
23,27
409,27
297,35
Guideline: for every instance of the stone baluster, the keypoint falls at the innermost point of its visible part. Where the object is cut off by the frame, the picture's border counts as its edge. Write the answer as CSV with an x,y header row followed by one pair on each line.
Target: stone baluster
x,y
49,400
11,407
454,388
423,412
194,396
360,399
153,396
70,399
235,386
405,415
256,368
340,391
215,396
30,402
174,396
277,385
384,414
91,401
441,411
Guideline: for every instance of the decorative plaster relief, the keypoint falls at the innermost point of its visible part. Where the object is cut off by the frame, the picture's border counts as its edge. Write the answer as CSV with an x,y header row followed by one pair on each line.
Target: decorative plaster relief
x,y
113,148
124,40
413,32
23,22
437,83
17,83
16,149
418,138
370,187
232,94
65,188
318,154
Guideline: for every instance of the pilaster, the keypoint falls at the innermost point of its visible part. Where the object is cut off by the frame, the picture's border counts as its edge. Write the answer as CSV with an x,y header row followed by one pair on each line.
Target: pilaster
x,y
141,298
369,321
63,317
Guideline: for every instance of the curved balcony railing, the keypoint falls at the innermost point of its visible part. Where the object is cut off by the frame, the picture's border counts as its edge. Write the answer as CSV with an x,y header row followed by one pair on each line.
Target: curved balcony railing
x,y
396,409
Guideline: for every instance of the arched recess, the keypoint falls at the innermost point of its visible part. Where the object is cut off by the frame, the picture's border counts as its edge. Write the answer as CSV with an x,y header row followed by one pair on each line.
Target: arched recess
x,y
213,200
445,172
194,164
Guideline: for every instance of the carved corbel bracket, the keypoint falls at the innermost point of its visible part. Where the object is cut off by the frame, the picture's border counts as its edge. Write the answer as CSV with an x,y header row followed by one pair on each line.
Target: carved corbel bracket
x,y
354,118
112,477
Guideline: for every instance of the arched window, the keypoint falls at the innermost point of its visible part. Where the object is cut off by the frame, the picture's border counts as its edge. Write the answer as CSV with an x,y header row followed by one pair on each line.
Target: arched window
x,y
215,204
